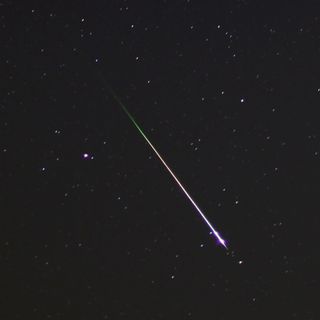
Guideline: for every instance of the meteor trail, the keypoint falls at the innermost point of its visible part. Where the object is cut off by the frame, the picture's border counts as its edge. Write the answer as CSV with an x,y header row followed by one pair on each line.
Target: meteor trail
x,y
217,235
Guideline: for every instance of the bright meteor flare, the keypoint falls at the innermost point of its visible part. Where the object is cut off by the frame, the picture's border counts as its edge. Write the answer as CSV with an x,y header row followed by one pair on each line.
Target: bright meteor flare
x,y
221,241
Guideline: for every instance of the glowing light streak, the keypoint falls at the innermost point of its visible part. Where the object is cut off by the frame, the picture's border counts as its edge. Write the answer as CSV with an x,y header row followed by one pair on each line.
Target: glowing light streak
x,y
216,234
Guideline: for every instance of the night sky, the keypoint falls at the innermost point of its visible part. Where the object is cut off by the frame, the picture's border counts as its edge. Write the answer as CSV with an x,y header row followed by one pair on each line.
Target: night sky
x,y
92,224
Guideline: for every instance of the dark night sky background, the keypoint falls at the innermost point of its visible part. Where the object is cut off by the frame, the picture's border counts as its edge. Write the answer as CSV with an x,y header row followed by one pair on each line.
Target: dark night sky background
x,y
229,93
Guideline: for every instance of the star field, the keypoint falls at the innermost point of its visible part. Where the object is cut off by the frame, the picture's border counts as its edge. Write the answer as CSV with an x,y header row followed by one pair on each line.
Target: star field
x,y
93,227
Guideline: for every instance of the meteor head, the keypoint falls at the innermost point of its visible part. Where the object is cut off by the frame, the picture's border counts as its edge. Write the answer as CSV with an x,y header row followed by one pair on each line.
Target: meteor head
x,y
218,237
223,243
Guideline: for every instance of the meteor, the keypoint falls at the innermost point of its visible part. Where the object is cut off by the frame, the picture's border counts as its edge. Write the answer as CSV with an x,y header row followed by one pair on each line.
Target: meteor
x,y
215,232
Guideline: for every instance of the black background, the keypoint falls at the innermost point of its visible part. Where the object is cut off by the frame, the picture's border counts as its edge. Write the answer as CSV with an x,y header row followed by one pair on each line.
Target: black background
x,y
92,225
